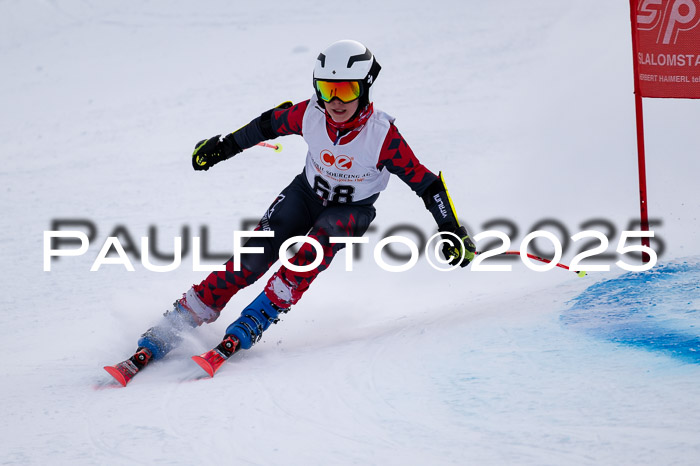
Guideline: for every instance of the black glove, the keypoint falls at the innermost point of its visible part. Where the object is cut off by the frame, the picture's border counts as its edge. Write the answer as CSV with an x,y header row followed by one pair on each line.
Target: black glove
x,y
209,152
458,251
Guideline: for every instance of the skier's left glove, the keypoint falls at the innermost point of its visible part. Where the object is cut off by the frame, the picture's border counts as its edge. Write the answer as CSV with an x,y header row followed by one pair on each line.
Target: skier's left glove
x,y
209,152
458,248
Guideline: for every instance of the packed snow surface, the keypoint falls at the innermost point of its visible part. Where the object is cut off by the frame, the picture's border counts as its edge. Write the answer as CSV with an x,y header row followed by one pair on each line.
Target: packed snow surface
x,y
527,108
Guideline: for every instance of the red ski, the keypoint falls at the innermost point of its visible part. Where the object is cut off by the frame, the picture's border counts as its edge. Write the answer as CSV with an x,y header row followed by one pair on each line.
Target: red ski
x,y
124,371
213,359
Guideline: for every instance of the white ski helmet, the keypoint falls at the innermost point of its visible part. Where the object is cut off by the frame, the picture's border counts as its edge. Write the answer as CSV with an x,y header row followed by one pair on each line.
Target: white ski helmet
x,y
347,60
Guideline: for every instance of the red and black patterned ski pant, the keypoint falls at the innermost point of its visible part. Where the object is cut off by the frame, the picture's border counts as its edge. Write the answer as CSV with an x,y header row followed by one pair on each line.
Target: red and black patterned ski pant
x,y
297,211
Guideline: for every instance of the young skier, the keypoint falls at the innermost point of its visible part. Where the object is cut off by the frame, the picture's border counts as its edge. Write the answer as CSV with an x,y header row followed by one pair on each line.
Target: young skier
x,y
353,150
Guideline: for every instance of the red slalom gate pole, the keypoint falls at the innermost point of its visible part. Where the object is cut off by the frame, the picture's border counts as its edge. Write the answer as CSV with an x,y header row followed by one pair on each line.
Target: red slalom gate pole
x,y
580,273
641,159
277,147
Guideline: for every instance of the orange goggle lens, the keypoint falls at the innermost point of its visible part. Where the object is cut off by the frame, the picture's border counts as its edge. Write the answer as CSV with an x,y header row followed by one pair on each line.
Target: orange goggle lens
x,y
346,91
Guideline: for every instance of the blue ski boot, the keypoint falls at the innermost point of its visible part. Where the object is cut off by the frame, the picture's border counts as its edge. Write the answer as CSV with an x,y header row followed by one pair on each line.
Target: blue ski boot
x,y
165,336
254,320
242,334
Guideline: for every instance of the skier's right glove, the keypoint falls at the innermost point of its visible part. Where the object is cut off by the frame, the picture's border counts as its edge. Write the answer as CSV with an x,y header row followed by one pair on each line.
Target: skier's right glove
x,y
458,250
209,152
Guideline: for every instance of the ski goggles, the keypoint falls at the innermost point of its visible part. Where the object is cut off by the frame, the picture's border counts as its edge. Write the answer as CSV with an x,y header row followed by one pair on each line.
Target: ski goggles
x,y
346,91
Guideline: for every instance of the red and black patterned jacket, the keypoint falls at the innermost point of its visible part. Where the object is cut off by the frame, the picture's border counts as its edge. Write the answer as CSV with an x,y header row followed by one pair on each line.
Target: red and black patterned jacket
x,y
396,156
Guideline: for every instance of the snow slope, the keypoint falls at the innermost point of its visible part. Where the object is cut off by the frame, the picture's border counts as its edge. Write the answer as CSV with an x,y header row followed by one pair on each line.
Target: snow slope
x,y
526,107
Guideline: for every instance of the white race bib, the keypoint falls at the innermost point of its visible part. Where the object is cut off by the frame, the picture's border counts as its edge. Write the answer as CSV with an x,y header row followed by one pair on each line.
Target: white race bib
x,y
347,172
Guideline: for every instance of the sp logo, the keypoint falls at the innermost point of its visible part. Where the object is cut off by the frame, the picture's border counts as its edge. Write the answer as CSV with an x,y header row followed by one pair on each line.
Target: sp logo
x,y
341,162
670,17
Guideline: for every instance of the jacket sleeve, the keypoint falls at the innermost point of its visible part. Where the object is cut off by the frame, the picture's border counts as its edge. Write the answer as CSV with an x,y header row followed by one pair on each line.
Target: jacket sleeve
x,y
282,120
397,157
